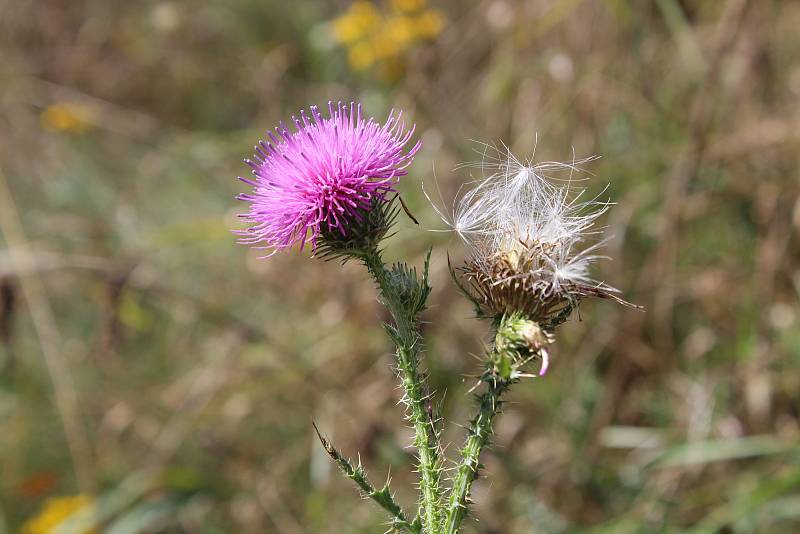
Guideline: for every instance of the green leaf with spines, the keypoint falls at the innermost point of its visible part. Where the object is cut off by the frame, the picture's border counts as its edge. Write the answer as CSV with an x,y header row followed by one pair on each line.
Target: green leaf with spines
x,y
382,497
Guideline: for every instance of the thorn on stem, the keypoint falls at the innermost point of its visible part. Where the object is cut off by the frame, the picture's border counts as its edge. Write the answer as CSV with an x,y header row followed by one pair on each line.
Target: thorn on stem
x,y
326,444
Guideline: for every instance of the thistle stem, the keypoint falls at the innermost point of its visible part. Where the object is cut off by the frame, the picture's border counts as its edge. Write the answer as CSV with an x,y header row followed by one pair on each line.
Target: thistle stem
x,y
480,427
480,432
405,333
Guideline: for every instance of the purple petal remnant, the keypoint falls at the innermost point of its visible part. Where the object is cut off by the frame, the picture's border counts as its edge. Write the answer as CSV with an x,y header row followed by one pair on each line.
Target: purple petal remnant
x,y
320,176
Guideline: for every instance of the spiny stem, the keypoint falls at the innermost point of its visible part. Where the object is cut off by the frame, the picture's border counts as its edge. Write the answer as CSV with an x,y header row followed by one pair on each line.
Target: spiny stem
x,y
480,432
406,336
498,377
383,496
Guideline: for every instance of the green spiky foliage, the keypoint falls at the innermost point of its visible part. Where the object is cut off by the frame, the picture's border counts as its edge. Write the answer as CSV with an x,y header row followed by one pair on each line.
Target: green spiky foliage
x,y
404,292
383,497
517,342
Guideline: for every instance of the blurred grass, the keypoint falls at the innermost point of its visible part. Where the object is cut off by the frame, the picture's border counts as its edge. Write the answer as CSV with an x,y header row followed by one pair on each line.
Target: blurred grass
x,y
196,369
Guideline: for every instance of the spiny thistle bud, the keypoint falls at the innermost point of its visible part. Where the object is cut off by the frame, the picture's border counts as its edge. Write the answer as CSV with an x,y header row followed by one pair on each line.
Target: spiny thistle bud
x,y
518,341
330,177
529,242
364,232
411,290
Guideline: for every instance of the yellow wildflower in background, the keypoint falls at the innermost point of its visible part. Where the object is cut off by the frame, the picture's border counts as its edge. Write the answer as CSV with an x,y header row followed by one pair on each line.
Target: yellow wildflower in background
x,y
66,117
408,6
57,511
399,32
430,23
361,55
374,36
357,22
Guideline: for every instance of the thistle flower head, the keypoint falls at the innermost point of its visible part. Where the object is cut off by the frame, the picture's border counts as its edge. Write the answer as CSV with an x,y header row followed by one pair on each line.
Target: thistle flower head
x,y
530,239
325,174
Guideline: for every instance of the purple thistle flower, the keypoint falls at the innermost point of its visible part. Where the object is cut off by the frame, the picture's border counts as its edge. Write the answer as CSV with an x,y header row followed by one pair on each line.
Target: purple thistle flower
x,y
319,177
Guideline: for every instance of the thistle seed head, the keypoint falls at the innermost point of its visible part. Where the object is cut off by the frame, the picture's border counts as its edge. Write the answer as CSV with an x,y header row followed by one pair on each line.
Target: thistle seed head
x,y
530,238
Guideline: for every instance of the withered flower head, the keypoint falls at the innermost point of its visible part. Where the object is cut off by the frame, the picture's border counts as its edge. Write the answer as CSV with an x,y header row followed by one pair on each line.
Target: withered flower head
x,y
530,240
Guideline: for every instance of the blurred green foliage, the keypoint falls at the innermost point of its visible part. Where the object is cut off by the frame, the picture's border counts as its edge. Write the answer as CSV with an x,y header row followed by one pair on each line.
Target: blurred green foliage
x,y
196,369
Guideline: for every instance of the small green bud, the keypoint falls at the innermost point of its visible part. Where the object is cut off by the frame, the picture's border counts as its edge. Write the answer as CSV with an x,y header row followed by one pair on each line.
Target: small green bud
x,y
517,341
534,336
521,335
504,366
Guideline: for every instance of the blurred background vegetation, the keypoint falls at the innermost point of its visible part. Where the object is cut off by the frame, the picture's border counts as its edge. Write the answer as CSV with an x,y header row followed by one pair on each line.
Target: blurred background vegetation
x,y
157,373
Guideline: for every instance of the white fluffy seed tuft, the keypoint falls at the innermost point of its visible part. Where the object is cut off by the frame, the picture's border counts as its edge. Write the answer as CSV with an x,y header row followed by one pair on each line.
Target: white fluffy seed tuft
x,y
519,204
